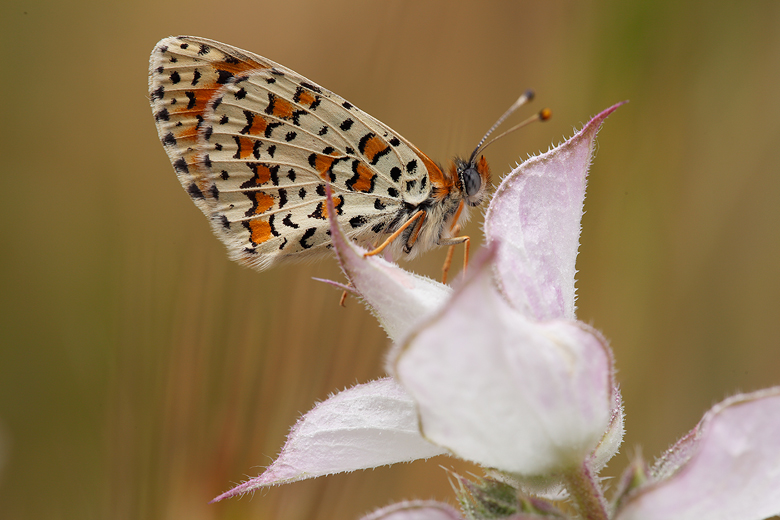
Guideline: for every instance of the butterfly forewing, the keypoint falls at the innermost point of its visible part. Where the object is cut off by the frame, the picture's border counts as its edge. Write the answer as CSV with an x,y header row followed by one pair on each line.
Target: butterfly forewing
x,y
254,143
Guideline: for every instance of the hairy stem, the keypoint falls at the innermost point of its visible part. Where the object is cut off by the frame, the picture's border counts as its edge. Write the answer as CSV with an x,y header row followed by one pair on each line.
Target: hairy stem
x,y
586,493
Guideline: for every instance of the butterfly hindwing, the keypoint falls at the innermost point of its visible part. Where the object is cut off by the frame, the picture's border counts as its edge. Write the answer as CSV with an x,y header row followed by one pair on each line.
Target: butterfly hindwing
x,y
254,143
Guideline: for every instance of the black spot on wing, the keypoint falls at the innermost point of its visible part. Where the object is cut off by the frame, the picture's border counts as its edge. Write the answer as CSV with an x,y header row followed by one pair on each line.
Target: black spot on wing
x,y
158,93
357,221
381,153
296,117
194,191
378,228
270,128
364,141
180,165
223,76
274,232
311,87
287,221
306,236
250,118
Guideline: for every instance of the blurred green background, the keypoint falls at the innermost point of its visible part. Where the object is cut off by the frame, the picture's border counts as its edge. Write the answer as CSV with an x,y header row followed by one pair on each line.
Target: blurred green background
x,y
142,373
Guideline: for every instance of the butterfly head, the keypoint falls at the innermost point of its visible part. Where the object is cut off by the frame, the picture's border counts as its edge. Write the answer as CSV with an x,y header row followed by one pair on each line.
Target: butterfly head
x,y
473,177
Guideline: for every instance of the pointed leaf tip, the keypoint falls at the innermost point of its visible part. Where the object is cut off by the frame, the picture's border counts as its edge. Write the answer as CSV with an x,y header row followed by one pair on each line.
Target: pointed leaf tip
x,y
535,214
368,425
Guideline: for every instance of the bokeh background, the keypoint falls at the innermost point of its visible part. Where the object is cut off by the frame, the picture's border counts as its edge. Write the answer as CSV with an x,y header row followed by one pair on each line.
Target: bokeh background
x,y
142,373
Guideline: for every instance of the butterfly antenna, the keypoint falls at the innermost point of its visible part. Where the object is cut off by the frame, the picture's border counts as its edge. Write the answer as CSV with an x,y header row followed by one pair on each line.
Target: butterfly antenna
x,y
526,97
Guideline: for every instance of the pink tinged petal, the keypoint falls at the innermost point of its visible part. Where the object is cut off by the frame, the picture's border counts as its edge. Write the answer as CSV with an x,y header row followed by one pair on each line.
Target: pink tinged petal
x,y
415,510
535,214
727,468
396,297
366,426
505,392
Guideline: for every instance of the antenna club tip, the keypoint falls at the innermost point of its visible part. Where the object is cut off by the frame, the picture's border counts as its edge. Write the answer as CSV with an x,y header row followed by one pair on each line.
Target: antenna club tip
x,y
529,94
545,114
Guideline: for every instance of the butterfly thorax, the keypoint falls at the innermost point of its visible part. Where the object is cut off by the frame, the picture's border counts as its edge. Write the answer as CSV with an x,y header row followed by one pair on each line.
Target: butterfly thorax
x,y
453,192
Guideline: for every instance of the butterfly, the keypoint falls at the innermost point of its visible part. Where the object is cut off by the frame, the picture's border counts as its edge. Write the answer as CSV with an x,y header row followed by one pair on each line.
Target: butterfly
x,y
254,144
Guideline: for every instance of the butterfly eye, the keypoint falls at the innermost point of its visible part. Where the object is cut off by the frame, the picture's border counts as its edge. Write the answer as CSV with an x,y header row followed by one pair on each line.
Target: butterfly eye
x,y
472,181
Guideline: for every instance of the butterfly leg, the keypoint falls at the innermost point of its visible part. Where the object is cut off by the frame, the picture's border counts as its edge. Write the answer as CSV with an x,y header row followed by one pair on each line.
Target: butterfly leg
x,y
343,299
447,263
452,242
383,245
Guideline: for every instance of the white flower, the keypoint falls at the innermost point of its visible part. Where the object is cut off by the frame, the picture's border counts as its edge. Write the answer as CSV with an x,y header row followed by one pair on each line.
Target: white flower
x,y
499,371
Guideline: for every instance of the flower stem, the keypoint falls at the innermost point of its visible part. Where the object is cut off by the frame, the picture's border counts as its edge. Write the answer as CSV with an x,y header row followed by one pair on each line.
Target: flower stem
x,y
586,493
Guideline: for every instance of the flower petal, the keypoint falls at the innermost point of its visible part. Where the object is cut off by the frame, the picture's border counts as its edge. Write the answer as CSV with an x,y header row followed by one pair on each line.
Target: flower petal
x,y
415,510
396,297
366,426
727,468
498,389
610,443
535,214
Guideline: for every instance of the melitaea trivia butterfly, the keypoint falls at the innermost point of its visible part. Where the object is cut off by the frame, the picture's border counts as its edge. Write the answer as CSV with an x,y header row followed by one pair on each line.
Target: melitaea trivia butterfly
x,y
254,144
